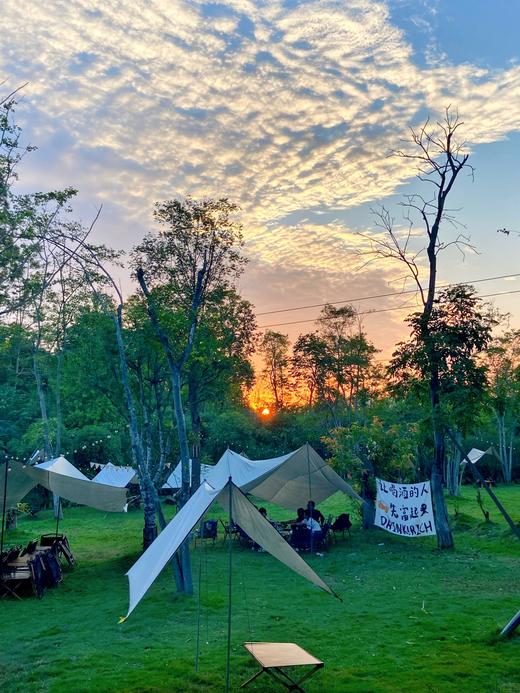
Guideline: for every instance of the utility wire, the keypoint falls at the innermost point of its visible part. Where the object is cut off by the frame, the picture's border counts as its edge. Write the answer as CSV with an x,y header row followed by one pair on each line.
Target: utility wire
x,y
381,310
392,293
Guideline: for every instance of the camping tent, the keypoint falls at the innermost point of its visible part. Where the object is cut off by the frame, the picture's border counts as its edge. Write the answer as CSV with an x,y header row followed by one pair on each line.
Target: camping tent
x,y
111,475
143,573
290,480
174,481
61,465
64,480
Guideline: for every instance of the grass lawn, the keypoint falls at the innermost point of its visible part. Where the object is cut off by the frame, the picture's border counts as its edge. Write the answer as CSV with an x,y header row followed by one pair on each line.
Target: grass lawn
x,y
412,618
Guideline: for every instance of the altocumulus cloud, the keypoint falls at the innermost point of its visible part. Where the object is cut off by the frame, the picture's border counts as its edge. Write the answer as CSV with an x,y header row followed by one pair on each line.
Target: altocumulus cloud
x,y
282,105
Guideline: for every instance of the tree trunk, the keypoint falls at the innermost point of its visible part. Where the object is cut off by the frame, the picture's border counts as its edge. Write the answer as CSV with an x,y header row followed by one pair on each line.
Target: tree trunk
x,y
185,465
175,562
453,465
444,534
196,429
59,362
47,450
369,507
150,500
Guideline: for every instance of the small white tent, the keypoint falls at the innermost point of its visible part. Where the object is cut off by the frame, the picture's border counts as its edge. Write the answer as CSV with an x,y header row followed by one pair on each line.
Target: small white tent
x,y
290,480
174,481
112,475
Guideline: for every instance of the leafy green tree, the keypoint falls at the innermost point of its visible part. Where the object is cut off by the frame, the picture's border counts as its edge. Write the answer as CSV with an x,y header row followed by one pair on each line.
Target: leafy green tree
x,y
460,329
503,361
194,259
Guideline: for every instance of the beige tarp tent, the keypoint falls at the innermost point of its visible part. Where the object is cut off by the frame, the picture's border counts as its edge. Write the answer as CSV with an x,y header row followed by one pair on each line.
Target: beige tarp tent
x,y
21,479
290,480
143,573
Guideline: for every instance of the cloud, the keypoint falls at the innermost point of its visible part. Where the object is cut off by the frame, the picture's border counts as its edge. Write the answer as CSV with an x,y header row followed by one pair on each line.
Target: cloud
x,y
281,105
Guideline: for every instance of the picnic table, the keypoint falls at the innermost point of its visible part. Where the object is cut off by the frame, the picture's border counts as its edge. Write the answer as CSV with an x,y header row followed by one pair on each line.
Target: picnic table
x,y
276,657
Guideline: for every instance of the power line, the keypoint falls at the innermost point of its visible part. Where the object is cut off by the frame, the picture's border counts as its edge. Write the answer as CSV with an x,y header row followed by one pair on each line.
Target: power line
x,y
386,310
393,293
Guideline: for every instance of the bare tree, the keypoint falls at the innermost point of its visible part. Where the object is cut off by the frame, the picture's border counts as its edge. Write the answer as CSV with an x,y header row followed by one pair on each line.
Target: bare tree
x,y
439,157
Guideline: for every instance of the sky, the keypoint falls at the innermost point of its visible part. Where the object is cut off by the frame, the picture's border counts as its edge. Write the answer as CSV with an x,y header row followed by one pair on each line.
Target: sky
x,y
289,108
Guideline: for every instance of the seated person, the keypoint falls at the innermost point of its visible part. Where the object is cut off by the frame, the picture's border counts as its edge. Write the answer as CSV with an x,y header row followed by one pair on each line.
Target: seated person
x,y
311,522
306,534
315,513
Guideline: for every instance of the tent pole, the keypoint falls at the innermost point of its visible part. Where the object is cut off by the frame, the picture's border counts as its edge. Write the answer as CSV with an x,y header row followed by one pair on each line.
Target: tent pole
x,y
4,507
58,513
197,650
228,662
310,491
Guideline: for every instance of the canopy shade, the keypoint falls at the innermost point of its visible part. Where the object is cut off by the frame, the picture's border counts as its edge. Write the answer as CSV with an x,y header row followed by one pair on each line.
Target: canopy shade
x,y
21,479
111,475
145,570
290,480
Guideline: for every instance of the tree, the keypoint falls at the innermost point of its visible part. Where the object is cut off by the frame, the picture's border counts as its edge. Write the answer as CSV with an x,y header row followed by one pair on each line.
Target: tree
x,y
439,158
186,268
503,360
334,361
460,329
274,348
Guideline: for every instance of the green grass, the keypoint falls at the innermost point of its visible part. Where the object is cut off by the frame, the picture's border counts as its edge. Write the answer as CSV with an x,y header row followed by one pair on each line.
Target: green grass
x,y
412,618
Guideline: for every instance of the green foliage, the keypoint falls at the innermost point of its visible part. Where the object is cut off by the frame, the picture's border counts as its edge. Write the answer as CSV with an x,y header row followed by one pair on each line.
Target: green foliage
x,y
459,330
383,450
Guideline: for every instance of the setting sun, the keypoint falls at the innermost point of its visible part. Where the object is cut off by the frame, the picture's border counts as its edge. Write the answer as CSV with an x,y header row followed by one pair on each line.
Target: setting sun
x,y
266,411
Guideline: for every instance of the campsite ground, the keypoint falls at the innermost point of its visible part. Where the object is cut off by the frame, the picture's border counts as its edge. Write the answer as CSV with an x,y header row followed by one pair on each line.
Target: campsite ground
x,y
412,618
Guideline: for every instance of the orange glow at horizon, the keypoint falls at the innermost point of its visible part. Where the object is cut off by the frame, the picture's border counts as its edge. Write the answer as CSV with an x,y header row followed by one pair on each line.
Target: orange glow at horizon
x,y
266,411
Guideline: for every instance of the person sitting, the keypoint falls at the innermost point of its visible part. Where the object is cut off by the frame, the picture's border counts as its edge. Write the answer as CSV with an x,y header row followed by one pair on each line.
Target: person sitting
x,y
315,513
306,535
311,522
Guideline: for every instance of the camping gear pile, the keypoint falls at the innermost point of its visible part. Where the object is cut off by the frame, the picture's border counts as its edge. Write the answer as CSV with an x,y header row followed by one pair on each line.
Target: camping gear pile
x,y
35,567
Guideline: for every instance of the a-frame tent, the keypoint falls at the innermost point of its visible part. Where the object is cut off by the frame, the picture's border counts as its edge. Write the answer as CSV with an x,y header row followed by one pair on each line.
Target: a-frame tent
x,y
113,475
146,569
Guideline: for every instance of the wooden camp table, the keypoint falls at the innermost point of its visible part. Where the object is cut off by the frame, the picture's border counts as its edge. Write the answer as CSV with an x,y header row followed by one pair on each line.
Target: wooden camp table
x,y
274,657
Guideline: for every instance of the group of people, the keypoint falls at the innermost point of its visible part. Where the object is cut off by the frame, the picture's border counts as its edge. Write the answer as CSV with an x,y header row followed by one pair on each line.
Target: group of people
x,y
309,517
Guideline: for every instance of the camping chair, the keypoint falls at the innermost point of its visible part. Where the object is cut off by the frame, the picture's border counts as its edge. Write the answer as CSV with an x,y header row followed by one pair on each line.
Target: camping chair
x,y
342,524
208,530
327,534
15,572
230,529
244,539
59,545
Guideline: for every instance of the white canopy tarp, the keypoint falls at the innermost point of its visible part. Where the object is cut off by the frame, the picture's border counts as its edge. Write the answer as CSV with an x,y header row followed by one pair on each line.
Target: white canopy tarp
x,y
143,573
21,479
174,481
289,481
112,475
475,454
61,465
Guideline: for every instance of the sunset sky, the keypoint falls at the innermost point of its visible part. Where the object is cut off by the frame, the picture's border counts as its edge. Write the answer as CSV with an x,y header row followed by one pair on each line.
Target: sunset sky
x,y
289,108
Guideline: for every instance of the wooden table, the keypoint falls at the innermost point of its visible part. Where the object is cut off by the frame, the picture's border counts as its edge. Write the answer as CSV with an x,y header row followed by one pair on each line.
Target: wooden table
x,y
274,657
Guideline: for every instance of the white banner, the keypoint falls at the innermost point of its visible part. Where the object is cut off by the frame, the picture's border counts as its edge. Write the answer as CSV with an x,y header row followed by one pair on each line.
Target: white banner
x,y
405,509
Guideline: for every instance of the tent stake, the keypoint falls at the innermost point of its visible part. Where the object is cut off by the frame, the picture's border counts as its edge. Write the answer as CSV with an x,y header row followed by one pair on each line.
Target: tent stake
x,y
228,663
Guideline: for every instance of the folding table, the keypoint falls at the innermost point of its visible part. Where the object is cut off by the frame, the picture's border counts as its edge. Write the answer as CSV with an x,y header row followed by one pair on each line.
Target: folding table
x,y
275,657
